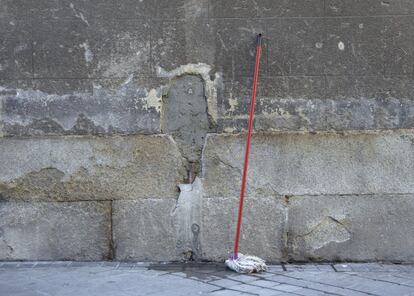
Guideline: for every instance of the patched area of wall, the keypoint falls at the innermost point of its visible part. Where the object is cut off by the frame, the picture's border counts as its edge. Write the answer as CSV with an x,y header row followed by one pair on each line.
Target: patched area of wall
x,y
185,117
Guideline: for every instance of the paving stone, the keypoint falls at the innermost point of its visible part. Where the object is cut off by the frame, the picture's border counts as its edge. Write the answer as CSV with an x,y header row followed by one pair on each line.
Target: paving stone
x,y
288,288
226,293
265,283
53,277
225,283
242,278
247,288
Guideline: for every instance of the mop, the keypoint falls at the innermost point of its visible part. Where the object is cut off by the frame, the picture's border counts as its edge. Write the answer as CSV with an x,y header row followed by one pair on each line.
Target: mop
x,y
237,261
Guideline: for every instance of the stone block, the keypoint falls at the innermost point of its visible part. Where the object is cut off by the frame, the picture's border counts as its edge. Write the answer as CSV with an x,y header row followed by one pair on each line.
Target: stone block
x,y
312,164
87,168
324,114
177,43
351,228
286,36
262,233
290,8
368,7
118,48
55,231
80,106
144,230
15,49
87,10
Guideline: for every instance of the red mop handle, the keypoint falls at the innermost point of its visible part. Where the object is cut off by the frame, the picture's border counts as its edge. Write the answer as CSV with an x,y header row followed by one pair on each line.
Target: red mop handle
x,y
249,135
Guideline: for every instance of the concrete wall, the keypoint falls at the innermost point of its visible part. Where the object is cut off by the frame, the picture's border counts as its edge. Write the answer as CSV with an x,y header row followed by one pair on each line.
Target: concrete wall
x,y
107,109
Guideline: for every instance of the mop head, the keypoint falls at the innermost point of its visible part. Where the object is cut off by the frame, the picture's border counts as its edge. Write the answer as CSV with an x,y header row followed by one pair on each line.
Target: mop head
x,y
246,264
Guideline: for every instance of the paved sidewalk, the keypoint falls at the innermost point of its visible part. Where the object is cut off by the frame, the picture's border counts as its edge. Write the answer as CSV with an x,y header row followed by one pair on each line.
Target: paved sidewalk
x,y
112,278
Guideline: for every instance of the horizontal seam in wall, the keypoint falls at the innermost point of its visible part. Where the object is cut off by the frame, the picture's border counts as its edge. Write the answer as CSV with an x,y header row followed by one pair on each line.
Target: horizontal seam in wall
x,y
312,17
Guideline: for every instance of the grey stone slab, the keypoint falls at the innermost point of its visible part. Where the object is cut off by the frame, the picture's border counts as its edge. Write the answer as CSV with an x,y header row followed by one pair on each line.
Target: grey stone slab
x,y
59,49
103,281
368,7
175,43
168,45
85,168
232,9
262,230
362,58
87,10
55,231
13,9
80,49
286,36
78,107
236,93
370,87
351,228
265,283
118,48
290,8
359,29
225,283
398,57
181,9
153,235
235,47
15,49
303,163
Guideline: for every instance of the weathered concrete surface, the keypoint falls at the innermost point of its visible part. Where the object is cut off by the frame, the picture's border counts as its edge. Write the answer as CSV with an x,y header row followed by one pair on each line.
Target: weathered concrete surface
x,y
144,230
303,163
88,168
318,103
352,228
185,116
131,106
55,231
187,220
263,229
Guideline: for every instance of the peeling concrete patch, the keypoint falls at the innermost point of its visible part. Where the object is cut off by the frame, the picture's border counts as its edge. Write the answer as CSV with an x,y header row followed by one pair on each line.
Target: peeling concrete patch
x,y
185,117
329,230
187,217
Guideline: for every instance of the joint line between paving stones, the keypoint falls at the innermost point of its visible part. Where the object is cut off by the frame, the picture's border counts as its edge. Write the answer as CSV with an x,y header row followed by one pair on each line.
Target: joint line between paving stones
x,y
290,284
379,280
310,281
